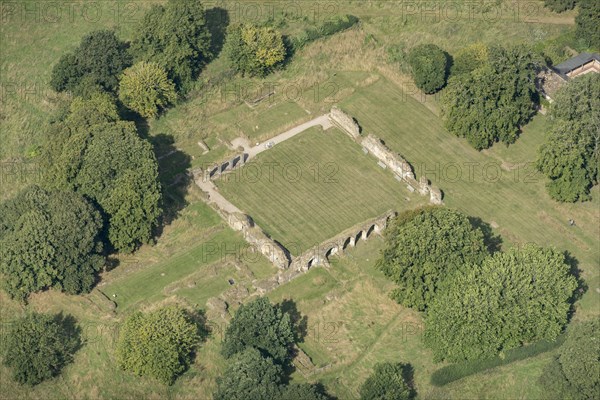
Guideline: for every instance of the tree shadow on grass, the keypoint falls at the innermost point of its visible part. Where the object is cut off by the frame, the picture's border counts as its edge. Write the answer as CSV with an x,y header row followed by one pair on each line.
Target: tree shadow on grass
x,y
582,286
299,322
492,241
217,22
71,334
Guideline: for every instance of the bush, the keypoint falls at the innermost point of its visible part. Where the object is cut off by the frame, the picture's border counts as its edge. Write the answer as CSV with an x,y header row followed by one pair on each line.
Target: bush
x,y
388,381
327,28
429,66
38,346
560,5
158,344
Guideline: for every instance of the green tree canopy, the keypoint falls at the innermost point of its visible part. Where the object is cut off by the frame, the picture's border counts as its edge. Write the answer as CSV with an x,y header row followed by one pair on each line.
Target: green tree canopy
x,y
249,376
260,325
146,89
99,60
38,346
303,391
575,373
174,36
423,247
587,23
469,58
492,102
104,158
512,298
253,50
387,382
429,65
570,156
49,239
560,5
158,344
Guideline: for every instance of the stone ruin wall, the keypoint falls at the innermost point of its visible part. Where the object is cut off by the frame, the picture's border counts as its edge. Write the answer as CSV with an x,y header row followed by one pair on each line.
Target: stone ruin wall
x,y
387,158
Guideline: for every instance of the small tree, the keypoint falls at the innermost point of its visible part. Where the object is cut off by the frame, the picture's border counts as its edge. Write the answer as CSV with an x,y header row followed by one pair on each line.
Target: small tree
x,y
158,344
100,58
260,325
429,65
303,391
575,373
388,381
512,298
587,27
145,88
424,247
38,346
468,59
253,50
560,5
249,376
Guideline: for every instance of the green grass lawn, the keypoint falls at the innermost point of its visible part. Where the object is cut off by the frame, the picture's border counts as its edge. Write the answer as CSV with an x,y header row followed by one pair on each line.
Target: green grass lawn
x,y
313,186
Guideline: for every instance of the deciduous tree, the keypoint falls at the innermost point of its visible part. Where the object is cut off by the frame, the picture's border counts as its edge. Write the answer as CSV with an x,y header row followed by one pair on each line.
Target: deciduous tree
x,y
146,89
429,65
387,382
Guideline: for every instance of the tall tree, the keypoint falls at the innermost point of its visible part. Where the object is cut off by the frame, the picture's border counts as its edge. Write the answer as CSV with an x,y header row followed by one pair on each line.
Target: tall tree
x,y
587,23
38,346
146,89
570,156
49,239
575,372
492,102
429,66
174,36
512,298
260,325
98,60
254,50
249,376
424,247
158,344
388,381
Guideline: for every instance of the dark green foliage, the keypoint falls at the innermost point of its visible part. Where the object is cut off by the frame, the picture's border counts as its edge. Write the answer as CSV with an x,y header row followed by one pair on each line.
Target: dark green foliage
x,y
560,5
38,346
454,372
158,344
98,61
260,325
426,246
429,65
49,239
492,102
174,36
387,382
95,154
303,391
588,23
327,28
513,298
570,156
249,376
575,373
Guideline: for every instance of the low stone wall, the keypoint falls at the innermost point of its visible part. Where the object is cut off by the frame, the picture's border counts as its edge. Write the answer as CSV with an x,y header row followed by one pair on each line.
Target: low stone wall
x,y
345,122
218,169
394,162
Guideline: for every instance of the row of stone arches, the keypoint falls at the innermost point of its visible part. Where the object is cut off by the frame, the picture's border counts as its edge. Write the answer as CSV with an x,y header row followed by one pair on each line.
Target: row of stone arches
x,y
235,162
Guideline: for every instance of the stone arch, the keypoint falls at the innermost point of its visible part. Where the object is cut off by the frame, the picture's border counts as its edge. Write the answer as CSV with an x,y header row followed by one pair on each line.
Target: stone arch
x,y
332,251
310,263
357,237
346,243
369,231
224,166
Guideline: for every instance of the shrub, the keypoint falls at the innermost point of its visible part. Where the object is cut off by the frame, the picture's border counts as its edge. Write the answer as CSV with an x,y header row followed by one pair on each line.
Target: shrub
x,y
429,66
146,89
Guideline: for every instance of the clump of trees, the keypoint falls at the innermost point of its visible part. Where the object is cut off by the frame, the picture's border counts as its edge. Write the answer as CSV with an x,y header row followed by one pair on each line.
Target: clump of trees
x,y
560,5
176,37
257,345
516,297
158,344
102,157
570,156
146,89
49,239
587,28
254,50
38,346
492,101
97,62
575,372
429,65
423,247
388,381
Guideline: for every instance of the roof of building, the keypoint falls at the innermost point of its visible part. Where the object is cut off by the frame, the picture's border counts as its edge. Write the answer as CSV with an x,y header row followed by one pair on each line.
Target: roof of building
x,y
573,63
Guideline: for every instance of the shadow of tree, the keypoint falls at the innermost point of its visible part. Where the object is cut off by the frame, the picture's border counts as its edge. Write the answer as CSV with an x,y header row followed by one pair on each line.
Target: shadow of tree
x,y
217,21
492,241
582,286
299,322
71,334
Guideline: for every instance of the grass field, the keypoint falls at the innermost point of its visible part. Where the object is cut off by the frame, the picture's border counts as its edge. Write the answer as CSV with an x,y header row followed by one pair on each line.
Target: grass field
x,y
313,186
